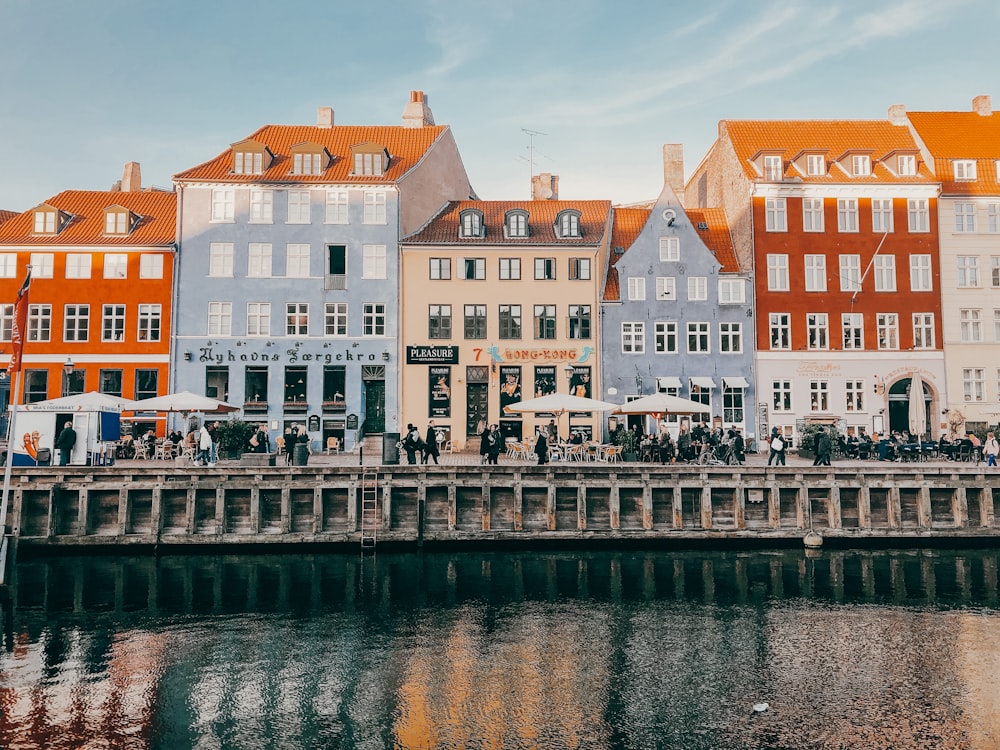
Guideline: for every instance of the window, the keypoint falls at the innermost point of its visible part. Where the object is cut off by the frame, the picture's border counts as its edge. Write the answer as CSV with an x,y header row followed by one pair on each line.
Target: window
x,y
666,289
517,224
815,273
116,222
923,330
372,163
110,382
777,273
993,218
259,260
113,323
472,224
307,163
568,224
818,330
6,322
920,273
636,288
248,162
579,321
336,207
439,269
850,273
297,261
45,222
965,170
298,207
150,318
223,204
633,338
781,391
335,319
150,266
76,323
996,325
847,214
882,214
78,265
36,385
116,266
296,319
42,265
8,265
255,384
475,321
968,271
861,165
730,338
965,217
220,319
815,165
336,268
781,331
474,269
545,269
973,384
510,269
258,319
772,168
906,165
373,262
853,327
579,269
887,328
885,273
545,321
261,206
439,322
665,337
819,395
854,393
670,249
812,214
698,342
732,403
374,208
147,383
917,214
731,291
334,387
220,259
775,219
510,321
697,288
970,325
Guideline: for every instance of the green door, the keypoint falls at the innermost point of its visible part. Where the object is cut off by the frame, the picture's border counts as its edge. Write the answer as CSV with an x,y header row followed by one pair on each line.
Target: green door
x,y
374,406
477,409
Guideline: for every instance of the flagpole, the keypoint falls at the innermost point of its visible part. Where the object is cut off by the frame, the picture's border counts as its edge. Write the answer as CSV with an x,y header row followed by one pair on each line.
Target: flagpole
x,y
6,477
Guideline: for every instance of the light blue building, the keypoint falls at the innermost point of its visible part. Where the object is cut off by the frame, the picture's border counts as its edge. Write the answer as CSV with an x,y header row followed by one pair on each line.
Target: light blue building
x,y
677,313
287,280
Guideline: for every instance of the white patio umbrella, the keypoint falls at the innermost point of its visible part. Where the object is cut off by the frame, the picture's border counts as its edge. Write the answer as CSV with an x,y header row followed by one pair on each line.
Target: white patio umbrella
x,y
659,404
558,404
918,409
91,401
185,401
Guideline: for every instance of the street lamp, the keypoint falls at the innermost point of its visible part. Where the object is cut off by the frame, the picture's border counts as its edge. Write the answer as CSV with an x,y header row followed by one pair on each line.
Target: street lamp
x,y
68,368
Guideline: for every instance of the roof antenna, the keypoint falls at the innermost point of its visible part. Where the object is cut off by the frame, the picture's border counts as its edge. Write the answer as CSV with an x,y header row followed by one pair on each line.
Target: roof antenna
x,y
531,157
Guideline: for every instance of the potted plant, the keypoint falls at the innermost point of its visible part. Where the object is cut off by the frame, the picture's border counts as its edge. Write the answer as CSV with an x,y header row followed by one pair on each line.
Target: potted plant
x,y
234,436
629,442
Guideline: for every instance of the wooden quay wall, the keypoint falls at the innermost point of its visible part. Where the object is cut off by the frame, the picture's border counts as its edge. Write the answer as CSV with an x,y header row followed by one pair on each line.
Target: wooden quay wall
x,y
191,506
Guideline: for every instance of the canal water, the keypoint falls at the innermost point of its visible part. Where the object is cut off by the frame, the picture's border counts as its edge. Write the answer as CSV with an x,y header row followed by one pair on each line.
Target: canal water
x,y
568,649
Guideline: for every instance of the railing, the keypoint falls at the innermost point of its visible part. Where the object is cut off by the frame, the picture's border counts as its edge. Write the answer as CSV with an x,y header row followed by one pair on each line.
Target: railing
x,y
296,406
336,282
254,407
335,406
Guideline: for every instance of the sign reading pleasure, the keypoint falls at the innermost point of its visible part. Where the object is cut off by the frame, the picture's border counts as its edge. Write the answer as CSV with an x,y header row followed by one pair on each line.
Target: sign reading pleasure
x,y
432,355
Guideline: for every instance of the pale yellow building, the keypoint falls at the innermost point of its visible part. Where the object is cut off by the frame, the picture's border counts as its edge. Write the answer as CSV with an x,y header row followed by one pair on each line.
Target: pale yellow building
x,y
499,303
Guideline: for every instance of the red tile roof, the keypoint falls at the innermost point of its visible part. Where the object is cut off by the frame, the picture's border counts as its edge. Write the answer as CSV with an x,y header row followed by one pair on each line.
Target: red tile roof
x,y
628,223
157,227
405,145
962,135
835,138
6,215
443,228
717,237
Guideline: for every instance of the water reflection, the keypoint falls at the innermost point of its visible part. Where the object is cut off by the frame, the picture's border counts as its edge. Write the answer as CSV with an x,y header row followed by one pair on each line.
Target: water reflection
x,y
590,650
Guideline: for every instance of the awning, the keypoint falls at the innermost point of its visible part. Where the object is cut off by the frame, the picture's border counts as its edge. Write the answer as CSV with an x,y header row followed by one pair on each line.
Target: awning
x,y
735,383
703,382
667,382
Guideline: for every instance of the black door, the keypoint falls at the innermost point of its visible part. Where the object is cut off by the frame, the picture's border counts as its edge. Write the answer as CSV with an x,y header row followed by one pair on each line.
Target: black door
x,y
374,406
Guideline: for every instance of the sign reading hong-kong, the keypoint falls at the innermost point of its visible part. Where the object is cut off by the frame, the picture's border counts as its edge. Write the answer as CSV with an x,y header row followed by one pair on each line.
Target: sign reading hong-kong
x,y
432,355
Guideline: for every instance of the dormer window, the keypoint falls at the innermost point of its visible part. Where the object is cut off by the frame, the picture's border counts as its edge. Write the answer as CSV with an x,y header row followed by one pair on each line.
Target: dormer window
x,y
117,220
48,220
965,170
568,224
861,165
516,224
815,165
309,158
772,168
906,165
472,223
370,159
250,157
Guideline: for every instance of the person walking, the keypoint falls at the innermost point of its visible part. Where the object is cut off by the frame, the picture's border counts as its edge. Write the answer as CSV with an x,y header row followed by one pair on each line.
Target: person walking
x,y
542,448
205,447
772,451
67,439
991,448
213,431
777,449
431,449
291,438
411,443
824,448
484,445
260,442
495,444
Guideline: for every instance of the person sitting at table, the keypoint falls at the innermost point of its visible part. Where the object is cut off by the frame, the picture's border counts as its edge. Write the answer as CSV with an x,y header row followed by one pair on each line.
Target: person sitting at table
x,y
685,450
577,438
946,447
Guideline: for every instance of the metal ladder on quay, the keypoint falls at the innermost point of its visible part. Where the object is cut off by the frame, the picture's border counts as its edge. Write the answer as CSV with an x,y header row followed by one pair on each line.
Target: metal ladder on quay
x,y
369,511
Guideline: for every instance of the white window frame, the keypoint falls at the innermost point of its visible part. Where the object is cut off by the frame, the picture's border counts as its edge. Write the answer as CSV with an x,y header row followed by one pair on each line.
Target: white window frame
x,y
373,319
219,321
223,205
861,165
296,318
261,206
773,168
439,269
699,333
579,269
298,256
374,202
335,319
670,249
633,337
8,266
852,331
819,395
259,260
918,216
884,270
338,204
818,331
973,384
258,319
40,322
906,165
921,278
666,289
665,337
847,215
970,324
781,395
636,288
780,331
116,314
965,170
374,262
923,330
812,215
151,266
965,217
478,269
850,273
150,322
220,259
775,215
815,272
545,269
697,288
777,272
882,215
815,165
510,269
854,396
80,265
732,291
76,323
299,207
115,265
42,265
887,331
967,275
730,338
993,218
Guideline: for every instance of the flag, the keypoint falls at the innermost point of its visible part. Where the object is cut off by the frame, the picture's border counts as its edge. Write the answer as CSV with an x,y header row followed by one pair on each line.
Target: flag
x,y
20,325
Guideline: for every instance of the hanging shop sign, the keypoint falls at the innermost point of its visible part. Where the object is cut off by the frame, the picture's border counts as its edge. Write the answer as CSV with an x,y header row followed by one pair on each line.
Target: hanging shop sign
x,y
432,355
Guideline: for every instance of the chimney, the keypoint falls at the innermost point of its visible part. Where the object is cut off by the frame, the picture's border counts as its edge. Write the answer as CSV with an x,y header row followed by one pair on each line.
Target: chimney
x,y
417,113
131,179
545,187
897,114
982,105
673,168
324,117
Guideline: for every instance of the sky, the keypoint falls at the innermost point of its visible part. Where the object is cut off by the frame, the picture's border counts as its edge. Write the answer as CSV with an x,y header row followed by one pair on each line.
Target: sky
x,y
87,86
